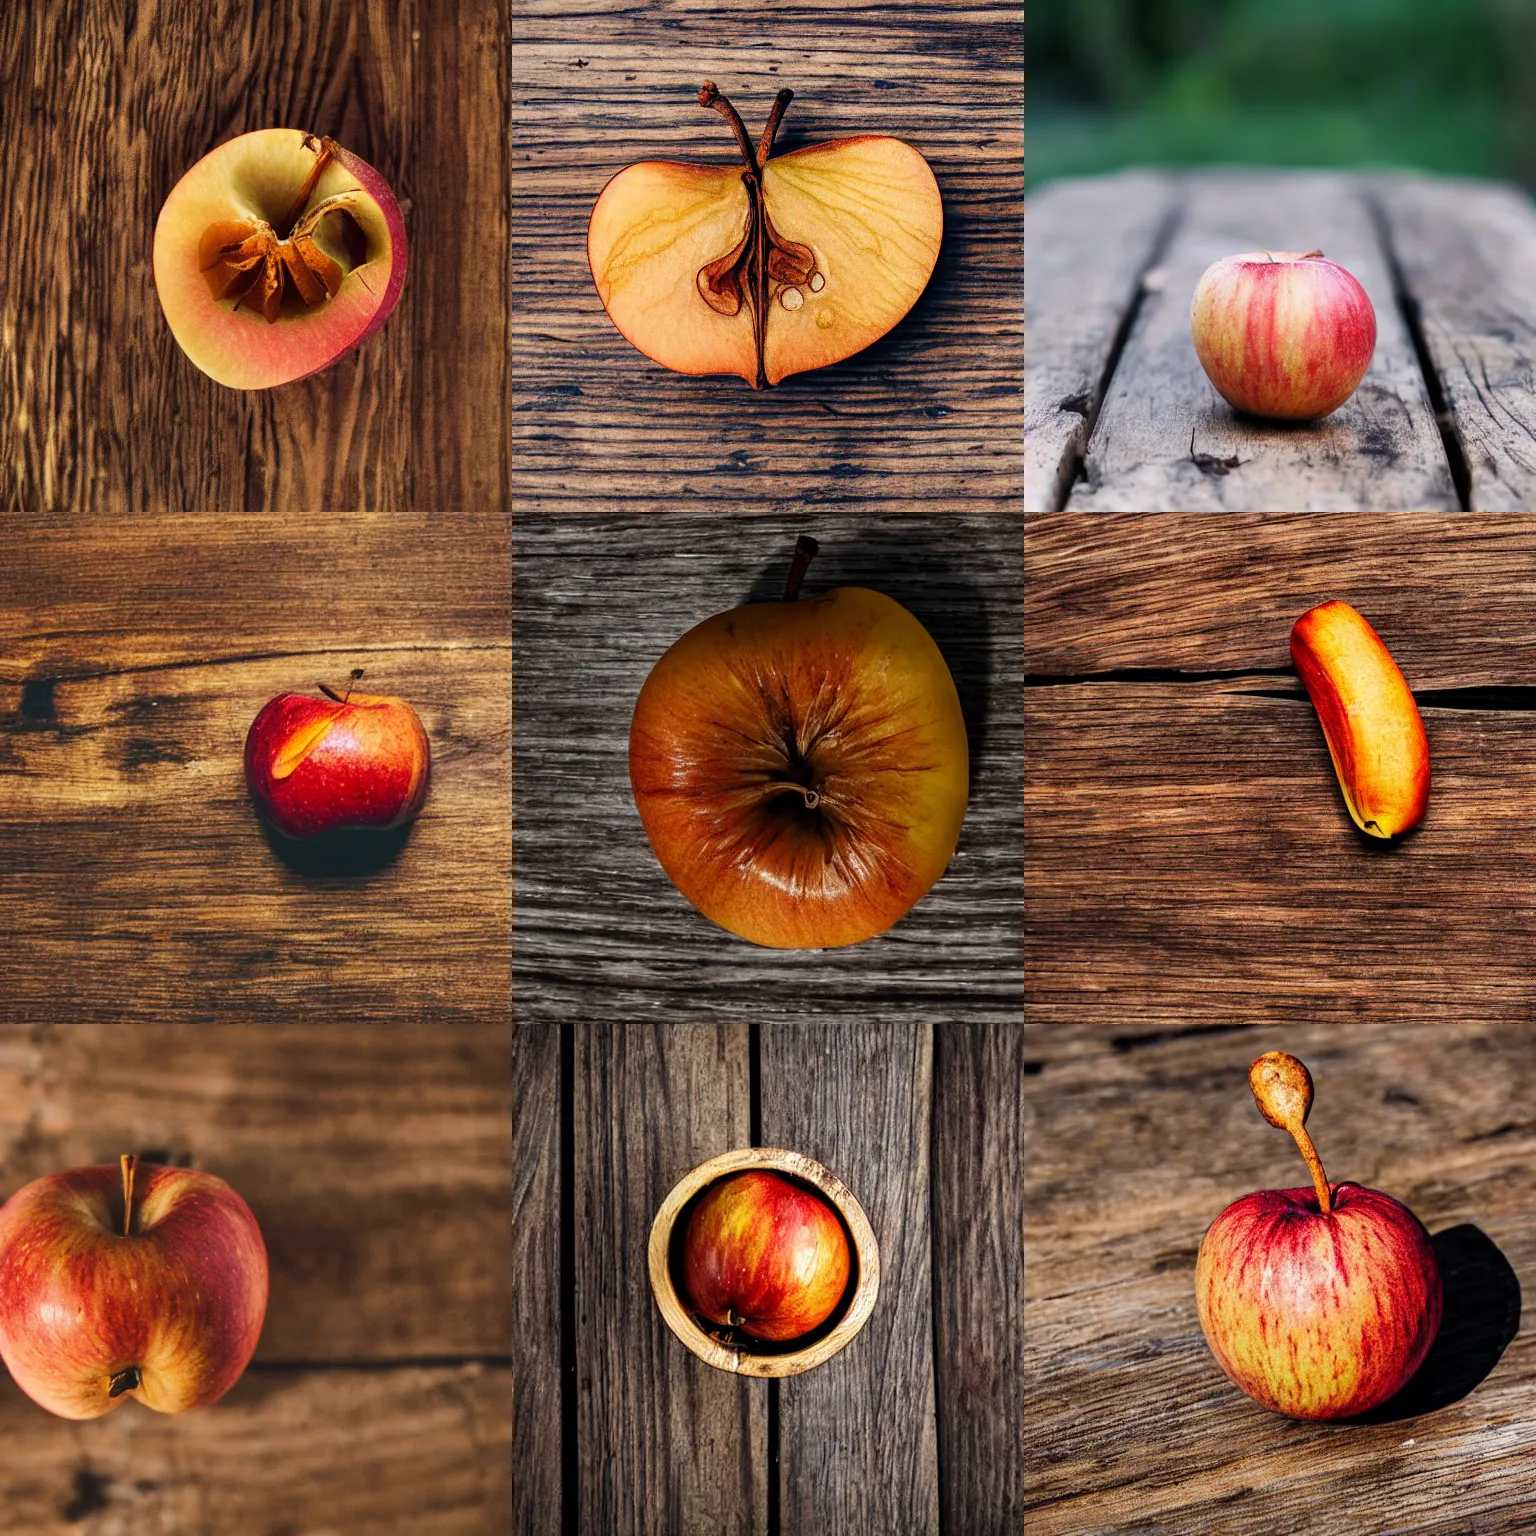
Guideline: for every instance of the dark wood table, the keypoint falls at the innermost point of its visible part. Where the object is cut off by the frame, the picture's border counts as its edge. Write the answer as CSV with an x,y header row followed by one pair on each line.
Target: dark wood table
x,y
1121,417
1197,895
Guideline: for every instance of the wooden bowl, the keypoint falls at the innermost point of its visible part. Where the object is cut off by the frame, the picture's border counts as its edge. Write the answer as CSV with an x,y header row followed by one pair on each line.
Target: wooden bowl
x,y
754,1357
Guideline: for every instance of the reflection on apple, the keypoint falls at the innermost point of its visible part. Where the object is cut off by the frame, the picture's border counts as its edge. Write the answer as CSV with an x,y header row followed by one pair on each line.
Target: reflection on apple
x,y
800,767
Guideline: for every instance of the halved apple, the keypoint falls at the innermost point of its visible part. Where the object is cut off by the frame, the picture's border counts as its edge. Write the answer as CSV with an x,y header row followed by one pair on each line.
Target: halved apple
x,y
791,264
276,254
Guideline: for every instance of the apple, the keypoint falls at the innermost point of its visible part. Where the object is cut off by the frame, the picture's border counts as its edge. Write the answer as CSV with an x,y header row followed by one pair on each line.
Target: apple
x,y
119,1282
276,254
788,264
1282,334
1369,718
353,762
800,767
766,1255
1319,1303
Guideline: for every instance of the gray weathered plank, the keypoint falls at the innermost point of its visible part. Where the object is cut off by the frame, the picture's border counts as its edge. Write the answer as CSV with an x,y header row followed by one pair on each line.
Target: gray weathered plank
x,y
1078,288
1380,450
1467,251
664,1442
928,417
858,1438
599,601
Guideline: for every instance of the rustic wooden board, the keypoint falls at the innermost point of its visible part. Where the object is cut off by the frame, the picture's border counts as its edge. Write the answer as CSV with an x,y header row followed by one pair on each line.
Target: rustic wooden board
x,y
99,408
599,601
928,417
1131,1427
1080,290
420,1451
1467,253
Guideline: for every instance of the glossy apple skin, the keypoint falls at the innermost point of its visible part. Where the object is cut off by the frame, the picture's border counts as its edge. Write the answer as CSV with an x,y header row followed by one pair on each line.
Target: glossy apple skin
x,y
365,764
250,177
1318,1317
766,1255
846,689
868,207
1369,717
182,1299
1282,336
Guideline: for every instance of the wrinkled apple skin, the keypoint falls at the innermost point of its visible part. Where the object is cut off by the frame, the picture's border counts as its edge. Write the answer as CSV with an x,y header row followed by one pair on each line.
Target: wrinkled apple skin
x,y
847,691
766,1255
369,772
182,1299
1282,336
1370,720
248,177
1318,1317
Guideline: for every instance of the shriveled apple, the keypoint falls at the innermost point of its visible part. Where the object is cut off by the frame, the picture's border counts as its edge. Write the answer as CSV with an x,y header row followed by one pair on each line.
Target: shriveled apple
x,y
792,263
275,254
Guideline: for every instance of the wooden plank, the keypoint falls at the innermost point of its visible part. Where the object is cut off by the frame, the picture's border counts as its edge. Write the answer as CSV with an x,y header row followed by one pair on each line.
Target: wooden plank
x,y
99,409
538,1421
928,417
1380,450
664,1442
978,1277
858,1436
599,601
374,1158
1467,254
1079,289
1131,1425
1219,593
420,1451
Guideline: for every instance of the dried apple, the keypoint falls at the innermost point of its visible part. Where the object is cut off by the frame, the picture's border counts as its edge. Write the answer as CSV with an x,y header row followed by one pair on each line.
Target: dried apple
x,y
791,263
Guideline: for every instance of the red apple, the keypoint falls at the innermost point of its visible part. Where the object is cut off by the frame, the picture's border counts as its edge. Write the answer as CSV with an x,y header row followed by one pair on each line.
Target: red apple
x,y
1319,1303
134,1282
354,762
1282,334
276,254
765,1255
800,767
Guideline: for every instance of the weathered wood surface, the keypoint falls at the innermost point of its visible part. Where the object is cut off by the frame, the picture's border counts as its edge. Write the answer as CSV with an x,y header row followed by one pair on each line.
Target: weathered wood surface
x,y
104,110
928,417
1162,439
1130,1424
597,921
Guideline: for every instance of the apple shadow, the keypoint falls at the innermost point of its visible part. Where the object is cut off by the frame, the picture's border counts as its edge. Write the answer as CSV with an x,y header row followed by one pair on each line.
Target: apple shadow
x,y
1482,1316
338,855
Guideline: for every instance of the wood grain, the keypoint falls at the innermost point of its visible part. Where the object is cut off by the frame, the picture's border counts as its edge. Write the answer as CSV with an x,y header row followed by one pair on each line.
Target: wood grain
x,y
929,417
599,601
99,409
1131,1426
1467,253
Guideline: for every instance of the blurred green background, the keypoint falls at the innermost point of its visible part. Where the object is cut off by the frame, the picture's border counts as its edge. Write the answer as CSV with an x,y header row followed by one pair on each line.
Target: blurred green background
x,y
1438,85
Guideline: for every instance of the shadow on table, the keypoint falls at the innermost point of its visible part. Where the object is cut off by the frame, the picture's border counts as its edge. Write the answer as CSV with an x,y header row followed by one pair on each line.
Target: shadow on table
x,y
1482,1315
339,854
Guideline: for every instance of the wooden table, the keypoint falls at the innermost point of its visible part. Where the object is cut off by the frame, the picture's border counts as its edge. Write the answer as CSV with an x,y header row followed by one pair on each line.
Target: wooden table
x,y
1120,415
1197,895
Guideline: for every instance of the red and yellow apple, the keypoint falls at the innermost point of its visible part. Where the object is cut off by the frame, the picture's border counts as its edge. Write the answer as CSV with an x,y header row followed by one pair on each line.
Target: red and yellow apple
x,y
769,267
765,1254
142,1282
1319,1303
800,767
353,762
275,254
1282,334
1369,718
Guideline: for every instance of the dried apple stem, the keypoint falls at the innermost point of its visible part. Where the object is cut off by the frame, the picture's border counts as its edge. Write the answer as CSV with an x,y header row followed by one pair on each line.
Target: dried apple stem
x,y
805,552
301,202
775,117
710,97
130,1163
779,787
1282,1088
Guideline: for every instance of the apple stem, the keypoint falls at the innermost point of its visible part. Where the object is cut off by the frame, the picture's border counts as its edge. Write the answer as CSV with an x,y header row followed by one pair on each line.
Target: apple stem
x,y
1282,1088
331,693
1315,1168
322,159
1312,256
710,97
775,117
805,552
123,1381
779,787
130,1163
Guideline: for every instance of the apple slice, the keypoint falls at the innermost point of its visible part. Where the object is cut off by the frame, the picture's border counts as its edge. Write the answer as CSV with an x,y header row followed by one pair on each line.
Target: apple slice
x,y
276,254
790,264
